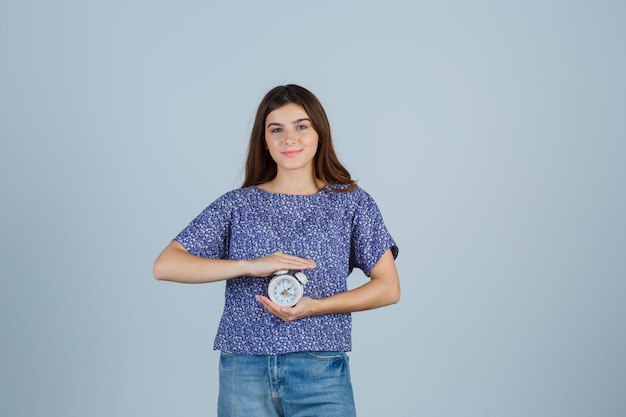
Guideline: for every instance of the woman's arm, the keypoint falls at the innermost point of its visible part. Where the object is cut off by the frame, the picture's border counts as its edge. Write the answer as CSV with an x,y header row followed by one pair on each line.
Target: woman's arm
x,y
382,289
178,265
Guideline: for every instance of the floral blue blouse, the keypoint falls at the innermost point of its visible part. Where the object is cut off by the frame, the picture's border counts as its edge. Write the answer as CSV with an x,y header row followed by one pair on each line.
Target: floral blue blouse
x,y
338,230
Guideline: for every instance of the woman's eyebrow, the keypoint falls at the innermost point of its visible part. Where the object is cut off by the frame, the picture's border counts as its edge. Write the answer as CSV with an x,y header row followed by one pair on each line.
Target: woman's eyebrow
x,y
294,122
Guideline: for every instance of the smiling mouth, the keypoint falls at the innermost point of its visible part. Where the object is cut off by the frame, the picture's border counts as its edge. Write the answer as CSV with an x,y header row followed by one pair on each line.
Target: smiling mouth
x,y
291,154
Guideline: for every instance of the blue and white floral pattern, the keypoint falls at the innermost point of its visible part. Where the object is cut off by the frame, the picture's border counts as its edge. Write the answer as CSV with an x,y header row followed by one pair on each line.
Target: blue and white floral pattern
x,y
339,231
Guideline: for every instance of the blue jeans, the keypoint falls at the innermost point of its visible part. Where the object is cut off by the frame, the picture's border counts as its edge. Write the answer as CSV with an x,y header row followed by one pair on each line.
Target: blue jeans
x,y
313,384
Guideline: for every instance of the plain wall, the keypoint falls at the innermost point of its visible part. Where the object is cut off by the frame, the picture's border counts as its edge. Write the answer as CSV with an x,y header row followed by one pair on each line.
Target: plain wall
x,y
490,133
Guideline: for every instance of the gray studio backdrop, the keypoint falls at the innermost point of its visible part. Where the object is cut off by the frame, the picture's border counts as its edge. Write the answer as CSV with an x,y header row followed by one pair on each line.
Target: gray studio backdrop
x,y
491,133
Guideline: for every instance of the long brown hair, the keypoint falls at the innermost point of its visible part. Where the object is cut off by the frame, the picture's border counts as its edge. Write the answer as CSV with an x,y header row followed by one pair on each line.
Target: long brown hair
x,y
260,167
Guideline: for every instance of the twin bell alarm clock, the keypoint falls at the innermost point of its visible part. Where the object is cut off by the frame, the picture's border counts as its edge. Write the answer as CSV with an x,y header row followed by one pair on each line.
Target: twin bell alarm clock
x,y
286,287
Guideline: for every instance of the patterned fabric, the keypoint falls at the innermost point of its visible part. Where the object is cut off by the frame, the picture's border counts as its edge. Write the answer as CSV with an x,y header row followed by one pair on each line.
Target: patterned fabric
x,y
339,231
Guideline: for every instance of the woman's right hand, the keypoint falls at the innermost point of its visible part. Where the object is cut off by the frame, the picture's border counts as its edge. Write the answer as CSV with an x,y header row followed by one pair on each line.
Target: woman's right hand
x,y
178,265
267,265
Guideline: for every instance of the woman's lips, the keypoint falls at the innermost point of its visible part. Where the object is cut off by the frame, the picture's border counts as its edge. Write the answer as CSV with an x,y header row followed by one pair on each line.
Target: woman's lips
x,y
290,154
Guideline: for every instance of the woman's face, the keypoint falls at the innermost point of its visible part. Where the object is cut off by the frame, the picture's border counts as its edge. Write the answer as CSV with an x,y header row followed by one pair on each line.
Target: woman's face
x,y
290,138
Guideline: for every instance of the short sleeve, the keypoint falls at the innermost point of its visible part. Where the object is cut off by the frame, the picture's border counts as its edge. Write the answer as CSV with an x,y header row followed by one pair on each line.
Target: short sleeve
x,y
370,237
208,234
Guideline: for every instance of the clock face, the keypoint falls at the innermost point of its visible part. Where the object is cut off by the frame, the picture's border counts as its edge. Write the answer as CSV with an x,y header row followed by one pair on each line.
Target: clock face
x,y
285,291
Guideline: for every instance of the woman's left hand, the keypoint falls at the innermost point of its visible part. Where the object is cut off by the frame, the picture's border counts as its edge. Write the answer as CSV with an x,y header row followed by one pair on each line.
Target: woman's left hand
x,y
304,308
382,289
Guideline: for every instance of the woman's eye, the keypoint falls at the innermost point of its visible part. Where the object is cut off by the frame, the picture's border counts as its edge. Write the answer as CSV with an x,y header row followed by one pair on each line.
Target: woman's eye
x,y
302,127
276,130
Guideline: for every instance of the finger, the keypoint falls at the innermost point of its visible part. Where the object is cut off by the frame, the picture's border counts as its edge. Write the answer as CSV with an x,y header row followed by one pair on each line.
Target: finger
x,y
295,260
268,304
285,314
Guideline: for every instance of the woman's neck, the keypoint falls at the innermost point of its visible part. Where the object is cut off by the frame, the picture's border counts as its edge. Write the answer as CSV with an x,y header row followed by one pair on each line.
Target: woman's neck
x,y
293,184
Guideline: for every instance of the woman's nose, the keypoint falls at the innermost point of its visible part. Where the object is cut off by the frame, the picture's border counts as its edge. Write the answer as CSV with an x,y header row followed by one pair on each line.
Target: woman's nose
x,y
291,136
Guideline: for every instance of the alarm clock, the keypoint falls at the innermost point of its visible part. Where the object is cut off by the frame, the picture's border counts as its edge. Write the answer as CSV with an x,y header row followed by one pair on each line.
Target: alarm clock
x,y
286,287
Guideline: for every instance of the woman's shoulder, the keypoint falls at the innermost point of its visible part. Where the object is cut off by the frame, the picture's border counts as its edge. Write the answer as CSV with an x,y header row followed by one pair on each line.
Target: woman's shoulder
x,y
355,198
238,194
230,199
348,191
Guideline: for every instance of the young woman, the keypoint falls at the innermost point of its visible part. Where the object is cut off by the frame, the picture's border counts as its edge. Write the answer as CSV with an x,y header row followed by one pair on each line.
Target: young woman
x,y
297,210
